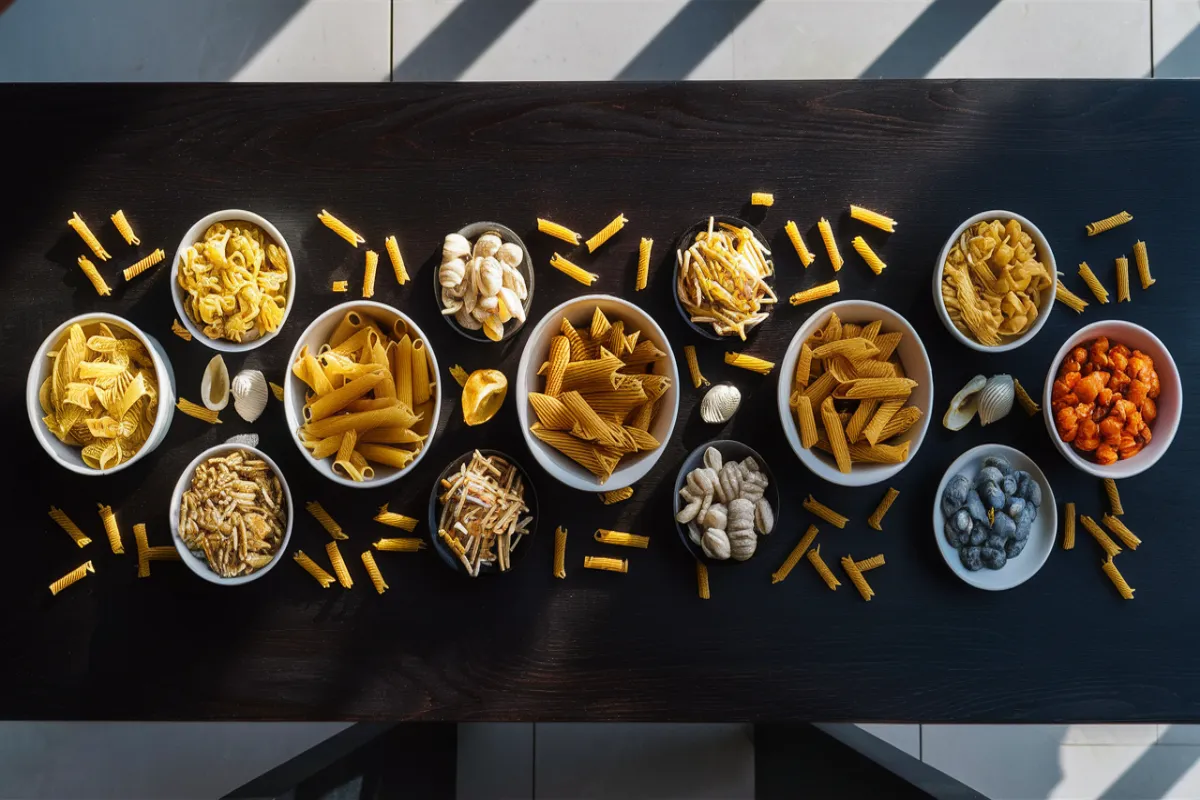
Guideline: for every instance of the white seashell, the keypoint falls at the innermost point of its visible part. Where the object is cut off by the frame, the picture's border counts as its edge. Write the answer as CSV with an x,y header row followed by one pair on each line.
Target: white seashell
x,y
720,403
450,273
465,318
455,246
450,303
510,305
248,439
491,277
510,255
964,405
471,282
712,458
715,544
489,304
480,314
487,245
996,399
250,394
214,386
514,280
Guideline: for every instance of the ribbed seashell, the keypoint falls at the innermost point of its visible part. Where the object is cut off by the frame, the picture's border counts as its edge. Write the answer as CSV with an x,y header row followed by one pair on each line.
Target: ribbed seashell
x,y
248,439
467,320
510,305
491,277
471,282
712,458
510,254
514,280
996,399
720,403
455,246
214,386
450,273
487,245
964,405
489,304
250,393
450,303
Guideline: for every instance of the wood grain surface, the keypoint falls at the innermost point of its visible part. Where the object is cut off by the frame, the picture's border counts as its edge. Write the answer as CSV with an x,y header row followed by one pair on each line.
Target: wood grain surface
x,y
421,160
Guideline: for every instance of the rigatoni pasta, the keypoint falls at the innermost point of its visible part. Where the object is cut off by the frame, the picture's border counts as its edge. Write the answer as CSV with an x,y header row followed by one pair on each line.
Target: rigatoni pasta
x,y
698,379
401,544
394,520
1114,497
109,519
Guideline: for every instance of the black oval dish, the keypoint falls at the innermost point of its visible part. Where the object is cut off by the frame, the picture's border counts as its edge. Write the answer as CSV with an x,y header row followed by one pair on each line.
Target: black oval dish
x,y
730,450
471,233
682,244
443,551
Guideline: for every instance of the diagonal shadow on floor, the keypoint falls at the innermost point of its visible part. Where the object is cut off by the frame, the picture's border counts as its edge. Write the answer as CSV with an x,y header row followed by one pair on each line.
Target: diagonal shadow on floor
x,y
929,38
685,41
1184,59
449,50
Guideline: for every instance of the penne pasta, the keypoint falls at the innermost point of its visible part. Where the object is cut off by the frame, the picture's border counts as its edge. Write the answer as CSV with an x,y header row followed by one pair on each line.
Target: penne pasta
x,y
1114,497
1068,298
393,250
63,521
72,577
340,228
109,519
1109,547
1069,526
327,522
1143,264
606,233
702,587
1114,575
322,577
868,255
831,247
97,280
125,229
1119,529
77,224
420,373
643,268
794,557
818,292
856,577
373,572
606,564
560,552
146,263
748,362
873,218
558,231
573,271
372,264
1123,280
876,518
394,520
1108,223
407,544
793,234
836,434
814,558
825,512
1093,283
339,565
621,539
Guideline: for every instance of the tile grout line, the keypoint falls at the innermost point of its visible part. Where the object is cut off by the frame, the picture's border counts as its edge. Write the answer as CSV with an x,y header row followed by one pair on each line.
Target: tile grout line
x,y
1152,58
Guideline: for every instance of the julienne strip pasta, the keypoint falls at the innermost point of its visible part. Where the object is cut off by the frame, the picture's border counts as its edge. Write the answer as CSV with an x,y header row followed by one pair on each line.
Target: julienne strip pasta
x,y
402,544
643,268
876,518
180,331
1068,298
340,228
312,568
558,231
72,577
1023,397
339,565
199,412
606,564
372,264
77,535
616,496
1093,283
825,512
818,292
702,587
856,577
793,233
125,229
573,271
1143,263
93,275
368,560
393,250
77,224
693,365
1108,223
340,286
873,218
1069,526
1114,497
394,520
621,538
752,363
762,199
1114,575
327,522
560,552
111,530
794,557
146,263
814,558
831,247
1127,537
1109,547
868,255
1123,279
607,232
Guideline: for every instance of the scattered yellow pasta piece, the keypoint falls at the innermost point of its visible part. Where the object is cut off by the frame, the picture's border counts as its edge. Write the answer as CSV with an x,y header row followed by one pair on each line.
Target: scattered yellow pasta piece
x,y
702,587
339,565
394,520
312,568
867,564
139,538
873,218
793,233
814,558
73,530
1123,280
393,251
991,515
621,538
807,422
372,264
1114,497
93,275
327,522
162,553
1069,527
818,292
560,552
180,331
459,374
199,412
340,228
1109,547
79,226
558,231
868,255
125,229
1093,282
1127,537
876,518
752,363
1118,580
1027,402
616,495
643,268
762,199
825,512
373,571
573,271
276,390
830,244
110,528
72,577
404,544
856,577
606,233
1108,223
1143,264
1069,298
794,557
607,564
698,379
341,286
146,263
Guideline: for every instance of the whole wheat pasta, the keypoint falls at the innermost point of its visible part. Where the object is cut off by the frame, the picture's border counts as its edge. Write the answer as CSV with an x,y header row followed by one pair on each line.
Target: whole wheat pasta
x,y
339,565
403,544
806,421
752,363
276,390
72,577
146,263
606,564
393,250
616,496
702,581
327,522
836,434
139,538
124,228
340,228
573,270
1093,282
1118,580
1127,537
856,577
312,568
825,512
394,520
868,255
558,231
1108,223
793,233
180,331
340,286
643,268
79,226
693,365
621,538
830,244
1109,547
873,218
1114,497
1143,264
198,411
74,531
1027,402
1069,526
607,232
814,558
93,275
876,518
372,264
368,560
794,557
868,564
818,292
1123,280
110,528
1068,298
762,199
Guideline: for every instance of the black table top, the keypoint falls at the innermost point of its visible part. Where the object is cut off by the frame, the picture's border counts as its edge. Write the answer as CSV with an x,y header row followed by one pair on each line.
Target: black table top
x,y
421,160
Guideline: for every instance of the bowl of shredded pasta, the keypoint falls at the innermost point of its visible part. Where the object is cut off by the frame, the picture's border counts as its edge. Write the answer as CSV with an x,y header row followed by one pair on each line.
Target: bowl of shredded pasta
x,y
233,280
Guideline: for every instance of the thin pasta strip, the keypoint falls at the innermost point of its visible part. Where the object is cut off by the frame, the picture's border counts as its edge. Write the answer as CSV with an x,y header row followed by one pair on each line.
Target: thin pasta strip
x,y
873,218
1143,264
1109,547
373,572
276,390
1093,282
67,524
621,538
402,544
616,496
327,522
856,577
818,292
1069,299
643,268
72,577
124,228
558,231
110,529
868,255
340,228
180,331
1069,527
393,250
752,363
573,270
459,374
1118,580
1127,537
702,587
693,364
199,412
762,199
1023,397
93,275
876,518
394,520
1123,280
830,244
1114,497
1108,223
340,286
312,568
814,558
607,232
606,564
139,537
77,224
794,557
372,264
868,564
560,552
339,565
825,512
133,270
793,233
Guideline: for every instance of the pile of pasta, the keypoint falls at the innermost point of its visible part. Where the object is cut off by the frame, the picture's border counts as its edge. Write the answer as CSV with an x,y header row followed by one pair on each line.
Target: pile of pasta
x,y
235,280
371,394
102,394
601,394
850,377
722,279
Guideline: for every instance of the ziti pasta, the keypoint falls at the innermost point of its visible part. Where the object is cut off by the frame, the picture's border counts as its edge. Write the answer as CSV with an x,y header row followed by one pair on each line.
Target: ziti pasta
x,y
1143,263
133,270
835,257
77,535
722,279
72,577
97,280
606,233
643,268
876,518
1093,283
558,231
573,271
340,228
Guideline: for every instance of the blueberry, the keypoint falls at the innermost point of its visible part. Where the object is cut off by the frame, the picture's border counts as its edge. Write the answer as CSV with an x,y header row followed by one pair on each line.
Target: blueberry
x,y
1014,547
957,489
979,534
970,558
961,521
999,462
1025,523
975,507
1015,506
1004,527
1033,492
949,507
992,496
993,558
1022,481
953,537
994,542
1009,485
988,475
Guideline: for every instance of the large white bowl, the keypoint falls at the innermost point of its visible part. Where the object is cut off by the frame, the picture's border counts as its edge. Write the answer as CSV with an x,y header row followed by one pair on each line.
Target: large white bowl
x,y
317,334
1041,535
198,564
1169,402
71,457
916,365
579,311
1045,255
194,235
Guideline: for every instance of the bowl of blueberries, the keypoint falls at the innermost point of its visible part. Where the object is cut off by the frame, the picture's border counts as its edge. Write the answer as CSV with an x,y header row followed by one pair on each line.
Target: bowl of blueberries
x,y
994,517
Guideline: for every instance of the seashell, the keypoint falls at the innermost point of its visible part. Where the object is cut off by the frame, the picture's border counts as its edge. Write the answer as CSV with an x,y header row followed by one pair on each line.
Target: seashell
x,y
510,254
489,304
510,305
493,328
688,512
712,458
455,246
764,517
964,405
480,314
250,394
716,544
451,273
720,403
467,320
996,399
248,439
214,386
516,281
742,543
471,285
717,517
487,245
491,277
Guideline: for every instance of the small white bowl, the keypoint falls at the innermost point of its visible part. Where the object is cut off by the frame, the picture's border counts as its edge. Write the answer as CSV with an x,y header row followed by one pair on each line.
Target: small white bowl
x,y
579,311
317,334
916,365
1044,254
71,457
194,235
1041,535
198,564
1169,401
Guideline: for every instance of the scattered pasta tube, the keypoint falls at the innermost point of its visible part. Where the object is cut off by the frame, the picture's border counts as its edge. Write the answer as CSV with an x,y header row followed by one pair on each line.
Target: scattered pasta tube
x,y
125,229
1109,547
868,564
327,522
818,292
558,231
825,512
1069,527
372,264
1023,397
199,412
67,524
72,577
793,233
373,572
762,199
139,537
560,552
1093,283
643,268
93,275
339,565
312,568
1143,264
794,557
693,364
1108,223
1114,497
459,374
393,251
110,529
79,226
340,286
340,228
1068,298
573,270
621,538
830,244
873,218
403,544
146,263
394,520
1127,537
607,232
814,558
752,363
180,331
876,518
162,553
616,496
1118,580
868,255
1123,280
276,390
702,581
856,577
606,564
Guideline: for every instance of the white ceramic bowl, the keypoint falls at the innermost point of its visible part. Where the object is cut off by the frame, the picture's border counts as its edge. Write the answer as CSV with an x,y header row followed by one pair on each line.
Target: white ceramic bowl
x,y
916,365
1045,255
579,311
1041,535
317,334
1169,401
194,235
198,564
71,457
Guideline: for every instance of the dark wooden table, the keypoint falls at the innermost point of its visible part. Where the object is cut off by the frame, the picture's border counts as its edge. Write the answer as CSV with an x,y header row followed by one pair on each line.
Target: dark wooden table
x,y
421,160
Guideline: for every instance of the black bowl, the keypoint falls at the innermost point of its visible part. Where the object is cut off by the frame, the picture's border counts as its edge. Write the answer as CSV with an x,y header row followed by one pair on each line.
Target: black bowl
x,y
685,241
471,233
729,449
443,551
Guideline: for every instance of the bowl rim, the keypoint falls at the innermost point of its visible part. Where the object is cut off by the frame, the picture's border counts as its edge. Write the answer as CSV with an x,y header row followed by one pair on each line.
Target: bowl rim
x,y
1049,503
435,541
190,237
163,373
291,392
508,236
1047,253
868,474
1125,468
198,565
688,234
572,474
